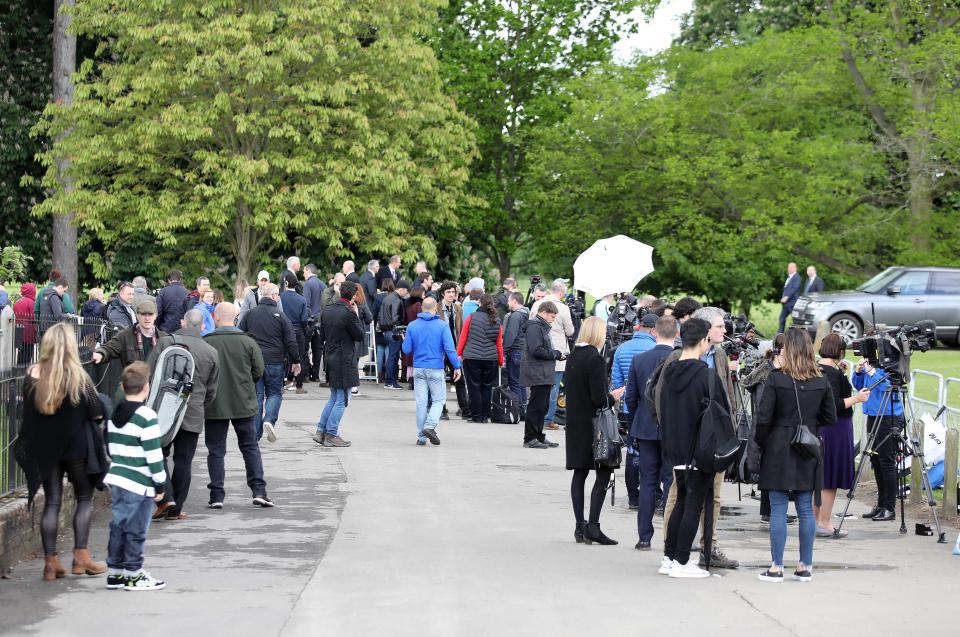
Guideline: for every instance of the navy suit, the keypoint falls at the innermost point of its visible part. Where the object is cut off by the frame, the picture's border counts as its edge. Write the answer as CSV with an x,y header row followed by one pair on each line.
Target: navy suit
x,y
791,290
646,438
813,285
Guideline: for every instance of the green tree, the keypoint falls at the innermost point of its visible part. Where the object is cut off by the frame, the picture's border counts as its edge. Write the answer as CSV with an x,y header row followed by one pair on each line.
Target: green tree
x,y
254,124
712,23
506,61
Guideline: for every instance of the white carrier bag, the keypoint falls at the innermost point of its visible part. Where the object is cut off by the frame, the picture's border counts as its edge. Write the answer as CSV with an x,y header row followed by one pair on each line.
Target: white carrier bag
x,y
170,387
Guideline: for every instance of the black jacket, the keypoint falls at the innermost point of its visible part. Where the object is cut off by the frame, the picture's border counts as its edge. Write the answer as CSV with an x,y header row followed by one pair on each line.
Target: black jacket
x,y
369,282
170,301
539,357
391,312
683,396
514,330
341,331
781,468
51,305
585,383
643,426
272,331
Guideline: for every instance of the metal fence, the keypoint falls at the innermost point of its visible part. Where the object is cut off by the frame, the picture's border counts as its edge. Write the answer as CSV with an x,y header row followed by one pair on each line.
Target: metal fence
x,y
19,349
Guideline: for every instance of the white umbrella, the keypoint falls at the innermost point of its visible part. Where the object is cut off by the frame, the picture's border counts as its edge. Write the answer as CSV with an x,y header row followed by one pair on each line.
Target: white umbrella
x,y
612,265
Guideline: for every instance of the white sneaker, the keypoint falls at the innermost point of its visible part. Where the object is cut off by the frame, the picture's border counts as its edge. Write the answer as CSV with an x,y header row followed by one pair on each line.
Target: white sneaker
x,y
270,431
688,570
665,565
143,581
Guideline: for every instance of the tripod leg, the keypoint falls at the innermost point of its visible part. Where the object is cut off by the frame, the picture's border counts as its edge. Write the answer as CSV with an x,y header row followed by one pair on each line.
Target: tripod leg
x,y
865,452
916,447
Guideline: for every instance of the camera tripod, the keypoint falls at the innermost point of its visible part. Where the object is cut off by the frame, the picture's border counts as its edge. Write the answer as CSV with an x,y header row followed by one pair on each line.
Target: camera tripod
x,y
908,443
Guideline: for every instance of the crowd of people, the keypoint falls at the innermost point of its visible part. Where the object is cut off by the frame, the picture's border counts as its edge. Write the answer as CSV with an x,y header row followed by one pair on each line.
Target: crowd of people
x,y
276,337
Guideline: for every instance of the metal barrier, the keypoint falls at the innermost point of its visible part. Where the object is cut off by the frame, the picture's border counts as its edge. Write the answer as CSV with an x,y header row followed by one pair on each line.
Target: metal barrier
x,y
369,366
952,414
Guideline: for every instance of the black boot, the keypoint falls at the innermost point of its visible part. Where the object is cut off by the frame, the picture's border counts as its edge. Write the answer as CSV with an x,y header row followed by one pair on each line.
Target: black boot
x,y
872,512
592,533
578,533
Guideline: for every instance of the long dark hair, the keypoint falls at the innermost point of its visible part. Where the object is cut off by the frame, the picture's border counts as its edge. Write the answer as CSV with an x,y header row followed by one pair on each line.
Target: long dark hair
x,y
486,305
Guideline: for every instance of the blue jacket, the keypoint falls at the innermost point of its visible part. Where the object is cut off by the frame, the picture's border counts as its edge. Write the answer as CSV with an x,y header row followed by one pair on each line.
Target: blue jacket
x,y
428,339
623,357
643,427
312,291
791,290
469,307
208,323
295,307
872,406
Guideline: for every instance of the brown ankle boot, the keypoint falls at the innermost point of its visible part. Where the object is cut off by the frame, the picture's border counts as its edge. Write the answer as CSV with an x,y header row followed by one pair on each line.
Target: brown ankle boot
x,y
52,569
83,564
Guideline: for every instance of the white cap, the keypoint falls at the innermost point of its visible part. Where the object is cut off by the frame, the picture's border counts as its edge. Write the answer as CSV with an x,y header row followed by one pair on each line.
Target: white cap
x,y
263,274
476,283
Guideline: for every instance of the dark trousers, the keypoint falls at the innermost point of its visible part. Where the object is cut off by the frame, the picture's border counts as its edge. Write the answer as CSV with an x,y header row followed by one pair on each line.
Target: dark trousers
x,y
653,473
302,351
481,375
76,471
216,439
631,475
784,315
692,487
513,376
178,482
536,410
393,359
316,355
884,461
463,403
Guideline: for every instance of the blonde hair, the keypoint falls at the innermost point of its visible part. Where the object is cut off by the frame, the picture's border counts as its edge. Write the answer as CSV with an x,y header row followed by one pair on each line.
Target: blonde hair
x,y
593,331
95,294
60,374
799,362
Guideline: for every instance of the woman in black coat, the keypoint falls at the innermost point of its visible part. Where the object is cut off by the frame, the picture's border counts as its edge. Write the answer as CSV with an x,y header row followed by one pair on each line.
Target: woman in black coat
x,y
341,333
795,394
586,390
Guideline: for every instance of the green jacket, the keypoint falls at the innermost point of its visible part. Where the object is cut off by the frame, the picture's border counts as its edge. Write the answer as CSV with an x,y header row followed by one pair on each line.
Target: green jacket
x,y
68,305
241,366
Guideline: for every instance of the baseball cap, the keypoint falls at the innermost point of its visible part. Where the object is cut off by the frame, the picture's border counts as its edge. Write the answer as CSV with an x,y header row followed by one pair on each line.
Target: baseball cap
x,y
263,274
649,320
147,306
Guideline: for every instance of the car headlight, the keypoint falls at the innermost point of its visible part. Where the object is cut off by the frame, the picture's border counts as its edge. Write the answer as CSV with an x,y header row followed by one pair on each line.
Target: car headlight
x,y
816,305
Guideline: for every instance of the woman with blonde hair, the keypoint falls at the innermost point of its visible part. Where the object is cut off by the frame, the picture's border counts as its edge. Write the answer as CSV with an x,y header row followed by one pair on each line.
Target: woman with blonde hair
x,y
585,381
796,395
60,408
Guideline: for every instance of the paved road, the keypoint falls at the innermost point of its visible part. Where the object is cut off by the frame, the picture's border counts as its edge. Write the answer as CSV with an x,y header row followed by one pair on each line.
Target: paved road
x,y
470,538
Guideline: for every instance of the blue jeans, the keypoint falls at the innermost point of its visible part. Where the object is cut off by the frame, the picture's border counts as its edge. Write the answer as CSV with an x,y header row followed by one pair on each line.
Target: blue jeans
x,y
513,377
215,436
393,359
333,411
128,529
382,359
554,394
430,390
803,501
270,383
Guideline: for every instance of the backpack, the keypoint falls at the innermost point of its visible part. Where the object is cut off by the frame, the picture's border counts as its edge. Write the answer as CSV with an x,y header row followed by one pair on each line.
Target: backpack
x,y
170,386
746,465
505,407
715,444
651,390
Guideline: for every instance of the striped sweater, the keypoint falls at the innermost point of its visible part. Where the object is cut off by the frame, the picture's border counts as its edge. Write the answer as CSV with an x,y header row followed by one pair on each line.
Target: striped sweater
x,y
137,460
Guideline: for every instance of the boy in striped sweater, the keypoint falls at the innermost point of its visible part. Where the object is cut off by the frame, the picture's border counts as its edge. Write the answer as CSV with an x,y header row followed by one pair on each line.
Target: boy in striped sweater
x,y
136,480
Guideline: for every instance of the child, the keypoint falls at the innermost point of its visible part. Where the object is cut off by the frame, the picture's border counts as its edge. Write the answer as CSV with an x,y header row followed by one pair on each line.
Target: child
x,y
136,480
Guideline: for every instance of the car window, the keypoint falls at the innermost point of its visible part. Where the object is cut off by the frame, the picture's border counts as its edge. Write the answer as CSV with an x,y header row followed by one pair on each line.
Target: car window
x,y
945,283
914,282
879,283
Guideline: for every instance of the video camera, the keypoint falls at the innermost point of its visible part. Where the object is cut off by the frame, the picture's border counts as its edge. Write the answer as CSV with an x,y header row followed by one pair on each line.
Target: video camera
x,y
740,336
575,303
890,349
622,317
399,332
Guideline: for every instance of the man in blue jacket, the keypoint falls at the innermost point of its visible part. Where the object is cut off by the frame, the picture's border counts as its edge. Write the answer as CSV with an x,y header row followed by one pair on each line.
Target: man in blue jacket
x,y
789,296
642,341
884,461
644,432
429,339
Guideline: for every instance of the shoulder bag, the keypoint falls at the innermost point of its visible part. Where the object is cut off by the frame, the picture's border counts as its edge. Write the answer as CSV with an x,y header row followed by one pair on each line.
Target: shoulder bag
x,y
804,442
607,442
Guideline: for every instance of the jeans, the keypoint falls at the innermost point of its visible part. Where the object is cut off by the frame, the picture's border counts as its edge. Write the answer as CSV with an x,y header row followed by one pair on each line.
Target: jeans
x,y
270,383
803,502
536,408
392,363
691,487
333,411
884,461
554,394
316,355
216,440
128,529
178,482
653,473
481,375
430,390
513,376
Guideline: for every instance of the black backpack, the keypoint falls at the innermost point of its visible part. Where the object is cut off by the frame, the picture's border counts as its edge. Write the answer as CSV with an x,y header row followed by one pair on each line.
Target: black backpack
x,y
505,407
715,444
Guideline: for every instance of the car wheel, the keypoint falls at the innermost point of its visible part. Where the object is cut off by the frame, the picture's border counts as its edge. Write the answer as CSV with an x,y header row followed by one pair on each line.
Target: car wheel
x,y
847,326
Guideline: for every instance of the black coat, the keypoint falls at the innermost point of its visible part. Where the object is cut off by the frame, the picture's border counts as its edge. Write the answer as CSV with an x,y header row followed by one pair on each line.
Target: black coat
x,y
539,358
341,331
272,331
781,468
585,383
170,301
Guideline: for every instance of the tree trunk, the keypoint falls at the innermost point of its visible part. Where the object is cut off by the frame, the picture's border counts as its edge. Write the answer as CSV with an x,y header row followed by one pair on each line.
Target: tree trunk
x,y
503,265
64,65
920,170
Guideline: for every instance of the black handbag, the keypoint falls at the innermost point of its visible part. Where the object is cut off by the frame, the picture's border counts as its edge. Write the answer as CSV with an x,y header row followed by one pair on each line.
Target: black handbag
x,y
804,442
607,442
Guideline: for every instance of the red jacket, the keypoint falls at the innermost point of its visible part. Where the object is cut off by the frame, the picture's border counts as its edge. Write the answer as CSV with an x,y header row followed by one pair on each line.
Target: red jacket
x,y
23,311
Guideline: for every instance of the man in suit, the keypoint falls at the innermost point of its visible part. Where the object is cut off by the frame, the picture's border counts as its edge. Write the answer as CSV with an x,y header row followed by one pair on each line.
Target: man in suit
x,y
368,280
350,273
392,271
814,283
791,290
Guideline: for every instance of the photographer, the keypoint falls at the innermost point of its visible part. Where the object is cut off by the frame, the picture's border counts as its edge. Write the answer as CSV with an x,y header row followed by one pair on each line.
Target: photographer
x,y
392,316
536,372
884,460
561,330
